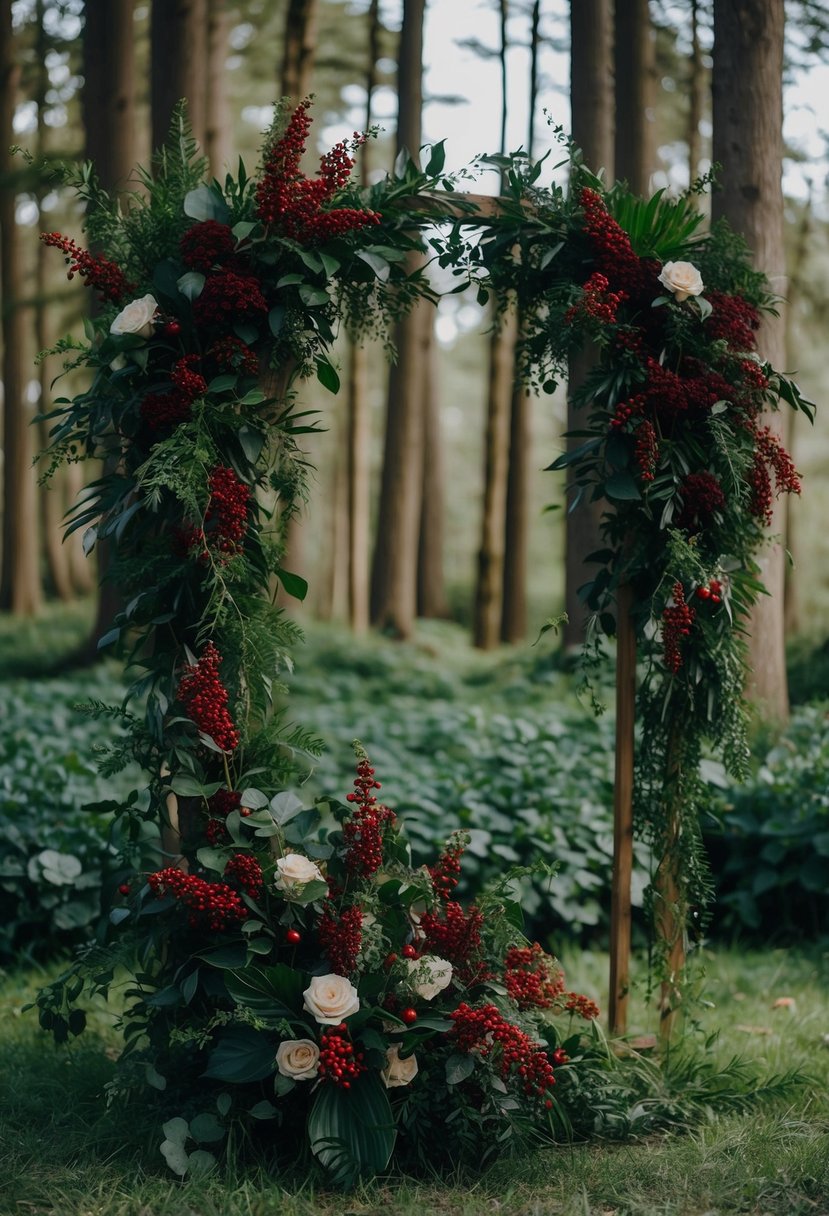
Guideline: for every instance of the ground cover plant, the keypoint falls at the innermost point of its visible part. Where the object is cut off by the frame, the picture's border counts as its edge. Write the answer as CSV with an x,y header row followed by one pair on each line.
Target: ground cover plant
x,y
63,1153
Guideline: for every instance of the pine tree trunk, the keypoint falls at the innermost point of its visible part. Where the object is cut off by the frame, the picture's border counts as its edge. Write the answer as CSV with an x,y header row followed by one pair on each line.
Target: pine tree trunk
x,y
696,97
394,565
748,143
178,54
798,261
299,49
218,141
635,75
431,594
592,100
20,579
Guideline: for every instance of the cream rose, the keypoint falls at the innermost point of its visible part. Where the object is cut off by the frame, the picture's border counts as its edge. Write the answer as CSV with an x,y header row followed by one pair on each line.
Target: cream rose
x,y
298,1059
330,999
429,975
136,318
682,278
295,869
397,1071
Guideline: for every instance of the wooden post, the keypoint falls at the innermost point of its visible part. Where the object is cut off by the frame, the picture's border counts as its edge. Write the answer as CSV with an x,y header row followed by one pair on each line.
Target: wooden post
x,y
670,914
622,814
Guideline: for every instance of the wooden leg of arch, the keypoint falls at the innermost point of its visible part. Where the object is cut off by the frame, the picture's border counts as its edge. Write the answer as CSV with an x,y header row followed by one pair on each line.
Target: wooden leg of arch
x,y
620,914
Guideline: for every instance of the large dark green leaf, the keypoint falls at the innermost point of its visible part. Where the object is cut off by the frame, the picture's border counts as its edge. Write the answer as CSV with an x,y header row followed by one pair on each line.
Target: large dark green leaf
x,y
352,1132
272,993
242,1054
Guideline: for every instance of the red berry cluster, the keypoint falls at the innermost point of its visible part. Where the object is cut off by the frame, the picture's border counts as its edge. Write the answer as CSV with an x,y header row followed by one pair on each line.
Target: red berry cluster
x,y
339,1062
291,202
626,410
711,591
245,871
227,514
231,353
455,934
205,699
340,937
487,1033
627,274
229,297
205,244
190,383
646,450
702,495
212,904
363,831
164,411
532,978
677,621
771,458
446,870
97,272
582,1005
752,372
597,302
732,320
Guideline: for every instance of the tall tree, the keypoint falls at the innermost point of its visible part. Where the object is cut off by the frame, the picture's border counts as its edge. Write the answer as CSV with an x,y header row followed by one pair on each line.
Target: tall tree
x,y
489,586
591,103
431,593
394,564
358,422
217,126
516,521
748,145
20,580
696,95
299,48
635,76
178,64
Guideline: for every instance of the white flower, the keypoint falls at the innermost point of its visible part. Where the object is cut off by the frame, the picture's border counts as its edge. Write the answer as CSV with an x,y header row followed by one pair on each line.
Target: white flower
x,y
295,869
136,318
298,1059
330,999
397,1071
429,975
682,278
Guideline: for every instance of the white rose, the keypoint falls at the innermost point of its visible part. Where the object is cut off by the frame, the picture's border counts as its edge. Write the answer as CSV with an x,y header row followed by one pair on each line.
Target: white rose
x,y
331,999
397,1071
429,975
136,318
298,1059
682,278
295,869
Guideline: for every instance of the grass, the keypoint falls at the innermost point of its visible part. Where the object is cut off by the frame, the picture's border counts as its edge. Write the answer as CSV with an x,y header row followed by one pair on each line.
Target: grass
x,y
63,1154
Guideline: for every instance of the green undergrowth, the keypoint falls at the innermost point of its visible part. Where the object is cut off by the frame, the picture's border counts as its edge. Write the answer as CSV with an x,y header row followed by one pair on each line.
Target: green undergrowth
x,y
62,1153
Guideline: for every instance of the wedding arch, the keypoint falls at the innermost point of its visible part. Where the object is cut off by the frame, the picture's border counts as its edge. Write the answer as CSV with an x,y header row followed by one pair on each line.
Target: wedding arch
x,y
288,964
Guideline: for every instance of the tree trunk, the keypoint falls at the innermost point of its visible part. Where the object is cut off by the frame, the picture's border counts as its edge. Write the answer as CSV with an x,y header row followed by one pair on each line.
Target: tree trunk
x,y
516,522
218,136
635,75
299,49
797,263
748,144
394,566
178,67
431,594
696,97
591,98
20,580
487,619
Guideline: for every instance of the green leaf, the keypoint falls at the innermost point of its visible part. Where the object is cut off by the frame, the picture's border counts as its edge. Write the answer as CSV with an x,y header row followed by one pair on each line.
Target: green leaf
x,y
327,376
189,787
622,486
206,1128
176,1130
252,441
437,159
458,1068
206,203
243,229
234,954
272,993
200,1163
352,1132
378,264
176,1156
285,806
212,859
242,1054
276,319
294,584
191,284
253,798
313,297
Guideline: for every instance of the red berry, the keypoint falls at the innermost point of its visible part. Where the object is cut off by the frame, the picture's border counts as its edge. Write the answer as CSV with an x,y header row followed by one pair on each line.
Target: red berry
x,y
409,1015
124,888
703,593
409,952
244,811
390,960
172,329
293,936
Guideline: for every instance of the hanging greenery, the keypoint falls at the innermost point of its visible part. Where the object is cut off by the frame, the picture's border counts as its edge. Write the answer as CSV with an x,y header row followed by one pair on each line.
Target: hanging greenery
x,y
287,965
676,443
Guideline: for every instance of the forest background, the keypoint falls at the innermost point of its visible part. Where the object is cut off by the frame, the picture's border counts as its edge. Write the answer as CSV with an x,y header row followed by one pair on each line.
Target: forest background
x,y
488,550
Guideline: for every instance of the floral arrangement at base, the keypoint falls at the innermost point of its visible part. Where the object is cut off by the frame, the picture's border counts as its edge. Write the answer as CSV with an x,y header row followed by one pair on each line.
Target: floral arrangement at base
x,y
301,978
